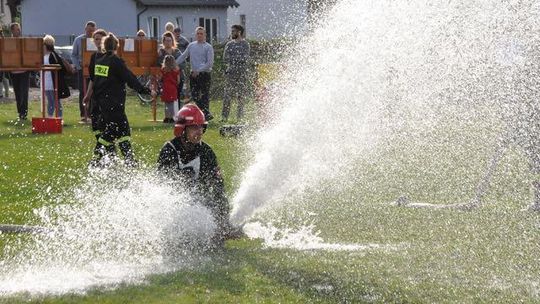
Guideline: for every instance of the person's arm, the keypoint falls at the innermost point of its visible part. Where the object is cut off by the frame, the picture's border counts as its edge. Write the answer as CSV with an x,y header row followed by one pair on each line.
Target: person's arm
x,y
184,55
89,93
75,52
130,78
226,54
167,162
246,54
209,58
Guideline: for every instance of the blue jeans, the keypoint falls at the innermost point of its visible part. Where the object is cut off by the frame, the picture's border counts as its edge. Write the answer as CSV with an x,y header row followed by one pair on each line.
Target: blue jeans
x,y
50,104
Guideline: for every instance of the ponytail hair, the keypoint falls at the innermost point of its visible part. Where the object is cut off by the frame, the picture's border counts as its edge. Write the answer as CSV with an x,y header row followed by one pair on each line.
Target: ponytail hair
x,y
111,43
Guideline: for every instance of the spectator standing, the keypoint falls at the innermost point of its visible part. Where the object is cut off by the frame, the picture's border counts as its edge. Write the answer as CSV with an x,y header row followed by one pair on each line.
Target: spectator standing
x,y
181,44
141,35
168,47
76,59
170,76
201,54
52,57
236,59
169,27
21,80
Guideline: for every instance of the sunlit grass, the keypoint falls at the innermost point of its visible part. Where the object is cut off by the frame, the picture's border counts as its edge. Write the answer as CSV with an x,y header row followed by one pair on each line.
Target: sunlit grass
x,y
486,255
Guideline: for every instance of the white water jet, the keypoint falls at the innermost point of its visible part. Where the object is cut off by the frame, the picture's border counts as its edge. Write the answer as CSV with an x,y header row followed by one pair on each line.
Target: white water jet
x,y
116,228
381,73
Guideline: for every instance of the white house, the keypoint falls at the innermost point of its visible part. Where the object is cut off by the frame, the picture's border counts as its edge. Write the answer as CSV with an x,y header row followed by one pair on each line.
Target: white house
x,y
64,19
268,19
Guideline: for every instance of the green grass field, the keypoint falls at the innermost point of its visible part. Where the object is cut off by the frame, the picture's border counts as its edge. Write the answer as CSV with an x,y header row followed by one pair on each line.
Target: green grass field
x,y
488,255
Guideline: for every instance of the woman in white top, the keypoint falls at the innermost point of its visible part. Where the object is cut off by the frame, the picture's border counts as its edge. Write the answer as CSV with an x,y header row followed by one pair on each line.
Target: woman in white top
x,y
51,57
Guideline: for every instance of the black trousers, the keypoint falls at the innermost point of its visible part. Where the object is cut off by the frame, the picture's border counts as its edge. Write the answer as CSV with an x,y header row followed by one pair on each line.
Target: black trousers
x,y
21,85
200,91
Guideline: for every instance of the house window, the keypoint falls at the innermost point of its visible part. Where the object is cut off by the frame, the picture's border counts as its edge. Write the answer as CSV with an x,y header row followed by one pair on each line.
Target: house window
x,y
2,6
211,26
243,23
180,22
153,27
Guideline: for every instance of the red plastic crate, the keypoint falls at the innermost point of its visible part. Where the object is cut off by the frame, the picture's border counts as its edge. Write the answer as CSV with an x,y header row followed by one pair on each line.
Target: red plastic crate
x,y
46,125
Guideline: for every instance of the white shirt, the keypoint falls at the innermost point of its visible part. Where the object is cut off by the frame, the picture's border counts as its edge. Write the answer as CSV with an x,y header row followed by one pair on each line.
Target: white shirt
x,y
49,85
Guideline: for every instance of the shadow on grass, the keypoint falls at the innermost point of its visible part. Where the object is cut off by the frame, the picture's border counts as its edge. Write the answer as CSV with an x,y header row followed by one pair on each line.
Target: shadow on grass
x,y
246,273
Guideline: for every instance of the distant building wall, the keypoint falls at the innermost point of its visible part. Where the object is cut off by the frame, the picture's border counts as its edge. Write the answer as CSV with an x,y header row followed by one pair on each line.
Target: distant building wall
x,y
187,17
267,19
65,18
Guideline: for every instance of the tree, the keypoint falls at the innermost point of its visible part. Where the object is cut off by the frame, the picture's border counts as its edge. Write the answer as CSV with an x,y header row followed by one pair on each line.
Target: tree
x,y
12,4
316,8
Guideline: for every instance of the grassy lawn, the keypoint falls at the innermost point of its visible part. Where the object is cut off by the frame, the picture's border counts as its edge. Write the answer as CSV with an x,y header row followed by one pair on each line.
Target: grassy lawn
x,y
432,256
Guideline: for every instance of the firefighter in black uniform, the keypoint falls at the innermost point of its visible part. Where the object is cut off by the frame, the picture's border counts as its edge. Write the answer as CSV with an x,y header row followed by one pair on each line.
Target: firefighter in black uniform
x,y
110,78
88,100
190,161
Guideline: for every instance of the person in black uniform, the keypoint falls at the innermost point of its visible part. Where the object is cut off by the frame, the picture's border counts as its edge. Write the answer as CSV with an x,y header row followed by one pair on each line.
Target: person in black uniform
x,y
88,101
190,161
110,78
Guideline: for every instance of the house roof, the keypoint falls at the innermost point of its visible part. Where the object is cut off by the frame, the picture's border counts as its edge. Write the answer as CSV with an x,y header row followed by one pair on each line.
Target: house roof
x,y
225,3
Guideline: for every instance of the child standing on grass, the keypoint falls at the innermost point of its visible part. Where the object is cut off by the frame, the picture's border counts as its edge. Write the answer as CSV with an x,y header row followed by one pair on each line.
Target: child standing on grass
x,y
170,77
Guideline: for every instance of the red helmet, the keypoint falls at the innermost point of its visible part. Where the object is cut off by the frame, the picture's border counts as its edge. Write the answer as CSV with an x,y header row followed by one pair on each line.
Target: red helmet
x,y
189,115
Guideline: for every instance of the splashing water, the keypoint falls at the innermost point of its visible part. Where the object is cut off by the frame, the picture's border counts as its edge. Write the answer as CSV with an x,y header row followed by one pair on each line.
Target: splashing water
x,y
109,233
303,238
385,79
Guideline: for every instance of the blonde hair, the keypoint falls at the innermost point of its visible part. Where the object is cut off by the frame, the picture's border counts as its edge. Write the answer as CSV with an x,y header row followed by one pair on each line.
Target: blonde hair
x,y
169,26
169,63
48,40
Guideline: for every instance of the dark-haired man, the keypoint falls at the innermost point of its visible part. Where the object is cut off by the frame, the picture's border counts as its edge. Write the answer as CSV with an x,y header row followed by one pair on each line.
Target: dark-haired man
x,y
236,59
20,79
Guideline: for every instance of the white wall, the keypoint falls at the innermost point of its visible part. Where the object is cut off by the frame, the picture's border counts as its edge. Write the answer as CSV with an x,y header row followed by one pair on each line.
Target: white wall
x,y
267,19
68,17
190,17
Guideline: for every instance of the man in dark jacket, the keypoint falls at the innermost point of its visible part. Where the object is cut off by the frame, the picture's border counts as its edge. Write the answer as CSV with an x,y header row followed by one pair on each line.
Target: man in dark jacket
x,y
190,161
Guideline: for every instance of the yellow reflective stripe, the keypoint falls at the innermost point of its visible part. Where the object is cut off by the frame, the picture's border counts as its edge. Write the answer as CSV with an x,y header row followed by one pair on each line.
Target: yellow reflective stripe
x,y
101,70
125,138
104,142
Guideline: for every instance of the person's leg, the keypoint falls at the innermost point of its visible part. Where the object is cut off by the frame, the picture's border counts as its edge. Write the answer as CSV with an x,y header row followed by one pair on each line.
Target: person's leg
x,y
123,137
205,95
16,79
2,84
194,83
60,108
6,84
50,103
240,92
80,83
180,90
25,87
226,109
